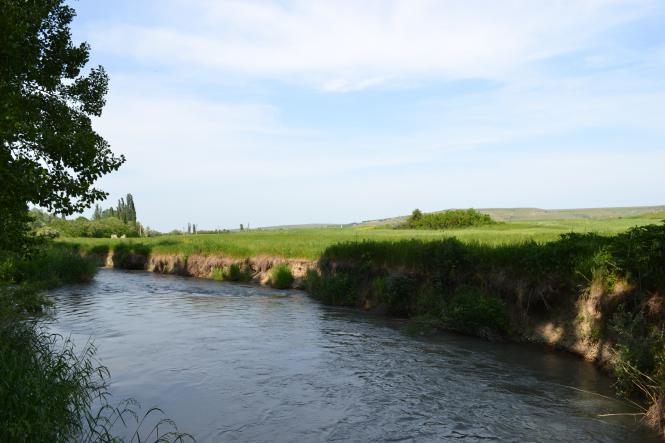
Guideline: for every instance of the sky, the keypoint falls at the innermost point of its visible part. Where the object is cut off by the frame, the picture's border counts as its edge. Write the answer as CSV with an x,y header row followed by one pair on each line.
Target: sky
x,y
288,112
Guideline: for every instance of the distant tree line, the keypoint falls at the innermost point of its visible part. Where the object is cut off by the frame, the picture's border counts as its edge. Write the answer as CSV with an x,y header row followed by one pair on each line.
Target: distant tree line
x,y
120,221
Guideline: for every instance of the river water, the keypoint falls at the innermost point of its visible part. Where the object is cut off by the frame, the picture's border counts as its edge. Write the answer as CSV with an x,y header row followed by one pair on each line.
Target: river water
x,y
231,362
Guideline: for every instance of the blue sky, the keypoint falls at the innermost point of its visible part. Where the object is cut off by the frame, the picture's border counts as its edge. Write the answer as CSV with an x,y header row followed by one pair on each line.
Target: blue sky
x,y
291,112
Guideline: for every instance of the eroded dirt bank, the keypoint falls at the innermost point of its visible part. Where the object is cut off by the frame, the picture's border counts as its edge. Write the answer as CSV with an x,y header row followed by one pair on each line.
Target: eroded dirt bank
x,y
257,269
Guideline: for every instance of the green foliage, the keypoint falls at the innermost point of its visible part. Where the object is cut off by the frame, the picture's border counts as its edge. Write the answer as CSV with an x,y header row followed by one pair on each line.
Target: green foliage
x,y
101,228
339,289
281,276
451,219
235,272
48,267
640,253
49,153
312,281
398,292
640,349
56,266
470,309
129,255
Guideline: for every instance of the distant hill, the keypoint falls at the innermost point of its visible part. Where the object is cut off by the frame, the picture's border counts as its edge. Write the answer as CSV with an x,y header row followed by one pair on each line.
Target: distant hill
x,y
510,214
534,214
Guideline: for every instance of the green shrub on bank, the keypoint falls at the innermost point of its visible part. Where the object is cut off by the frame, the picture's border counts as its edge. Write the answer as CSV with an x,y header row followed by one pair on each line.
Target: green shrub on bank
x,y
397,292
451,219
235,272
470,310
47,267
131,255
281,276
47,387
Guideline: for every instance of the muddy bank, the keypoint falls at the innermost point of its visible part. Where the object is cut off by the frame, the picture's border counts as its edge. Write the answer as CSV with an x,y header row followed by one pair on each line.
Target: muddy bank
x,y
257,269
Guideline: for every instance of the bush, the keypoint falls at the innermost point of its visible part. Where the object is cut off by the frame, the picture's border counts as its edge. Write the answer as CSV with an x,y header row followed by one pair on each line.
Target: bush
x,y
338,289
54,266
235,272
470,310
451,219
281,276
398,292
131,255
312,281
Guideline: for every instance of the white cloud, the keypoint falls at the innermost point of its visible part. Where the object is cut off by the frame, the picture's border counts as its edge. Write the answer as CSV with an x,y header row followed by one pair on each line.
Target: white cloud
x,y
351,45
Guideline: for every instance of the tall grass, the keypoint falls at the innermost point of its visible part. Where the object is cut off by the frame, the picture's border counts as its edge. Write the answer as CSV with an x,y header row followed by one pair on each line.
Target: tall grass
x,y
281,276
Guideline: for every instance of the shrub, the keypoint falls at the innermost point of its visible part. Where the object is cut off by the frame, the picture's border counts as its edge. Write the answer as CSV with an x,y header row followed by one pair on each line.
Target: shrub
x,y
312,281
55,266
454,218
130,255
399,292
217,273
470,310
237,272
281,276
640,348
338,289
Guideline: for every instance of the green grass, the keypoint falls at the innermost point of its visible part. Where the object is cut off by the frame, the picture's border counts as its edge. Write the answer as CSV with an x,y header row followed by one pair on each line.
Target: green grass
x,y
281,277
310,243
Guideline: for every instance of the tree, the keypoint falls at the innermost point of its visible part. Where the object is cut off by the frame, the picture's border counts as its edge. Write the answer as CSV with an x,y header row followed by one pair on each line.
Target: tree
x,y
131,209
98,213
49,154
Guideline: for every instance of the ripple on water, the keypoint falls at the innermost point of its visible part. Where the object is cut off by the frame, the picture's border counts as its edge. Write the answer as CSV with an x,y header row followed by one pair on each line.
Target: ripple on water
x,y
243,363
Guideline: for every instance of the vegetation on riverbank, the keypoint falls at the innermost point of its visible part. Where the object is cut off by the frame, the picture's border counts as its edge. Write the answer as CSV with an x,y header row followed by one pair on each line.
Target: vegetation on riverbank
x,y
583,292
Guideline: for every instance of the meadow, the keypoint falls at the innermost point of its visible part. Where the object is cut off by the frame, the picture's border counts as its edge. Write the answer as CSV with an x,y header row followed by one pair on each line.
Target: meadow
x,y
309,243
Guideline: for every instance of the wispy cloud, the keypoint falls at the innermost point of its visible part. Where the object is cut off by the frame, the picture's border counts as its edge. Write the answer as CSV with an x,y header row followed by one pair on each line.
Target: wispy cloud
x,y
348,45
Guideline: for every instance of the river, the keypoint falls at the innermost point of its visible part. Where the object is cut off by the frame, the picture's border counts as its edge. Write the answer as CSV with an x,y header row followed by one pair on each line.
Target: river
x,y
232,362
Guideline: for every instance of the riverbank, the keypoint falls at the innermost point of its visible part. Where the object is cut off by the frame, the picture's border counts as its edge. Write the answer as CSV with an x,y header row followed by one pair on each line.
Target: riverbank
x,y
597,296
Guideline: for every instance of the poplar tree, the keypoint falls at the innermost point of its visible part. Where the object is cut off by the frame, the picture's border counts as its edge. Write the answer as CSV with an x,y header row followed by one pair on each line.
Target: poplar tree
x,y
131,209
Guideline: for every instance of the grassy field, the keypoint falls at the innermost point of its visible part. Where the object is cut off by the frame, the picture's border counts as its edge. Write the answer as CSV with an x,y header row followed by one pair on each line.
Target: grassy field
x,y
310,243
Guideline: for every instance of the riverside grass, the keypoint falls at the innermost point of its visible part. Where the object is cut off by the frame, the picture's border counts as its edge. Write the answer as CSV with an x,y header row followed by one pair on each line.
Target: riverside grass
x,y
309,243
52,389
